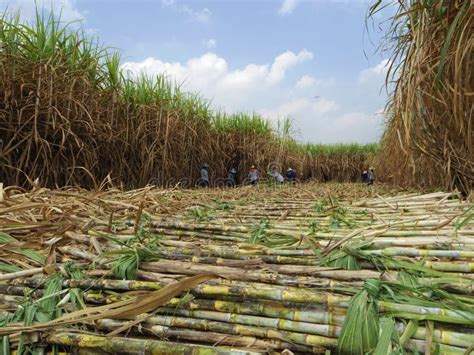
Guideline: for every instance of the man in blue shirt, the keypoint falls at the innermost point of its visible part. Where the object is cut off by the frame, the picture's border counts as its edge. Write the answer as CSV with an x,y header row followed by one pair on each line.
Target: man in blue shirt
x,y
291,175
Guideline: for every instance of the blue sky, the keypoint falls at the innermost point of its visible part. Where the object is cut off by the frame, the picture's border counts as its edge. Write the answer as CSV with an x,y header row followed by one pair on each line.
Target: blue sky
x,y
276,57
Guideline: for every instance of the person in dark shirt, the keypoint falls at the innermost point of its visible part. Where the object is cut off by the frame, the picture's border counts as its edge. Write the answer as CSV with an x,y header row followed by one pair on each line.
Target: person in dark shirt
x,y
232,177
291,175
204,180
364,176
371,176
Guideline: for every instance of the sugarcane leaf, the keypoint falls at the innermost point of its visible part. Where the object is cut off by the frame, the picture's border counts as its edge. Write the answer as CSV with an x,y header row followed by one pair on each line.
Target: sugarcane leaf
x,y
407,278
384,344
9,268
6,238
447,42
6,345
470,215
359,333
32,255
410,330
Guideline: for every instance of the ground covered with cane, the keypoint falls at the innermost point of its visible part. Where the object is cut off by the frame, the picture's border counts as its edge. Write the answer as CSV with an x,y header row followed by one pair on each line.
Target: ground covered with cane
x,y
105,248
308,268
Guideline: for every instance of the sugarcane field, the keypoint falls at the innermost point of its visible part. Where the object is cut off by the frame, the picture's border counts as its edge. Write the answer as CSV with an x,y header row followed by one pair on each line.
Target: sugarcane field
x,y
158,200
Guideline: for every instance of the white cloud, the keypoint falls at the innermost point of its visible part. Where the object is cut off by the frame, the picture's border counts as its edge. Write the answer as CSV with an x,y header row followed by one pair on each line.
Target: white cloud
x,y
287,7
203,15
210,43
341,115
374,73
210,74
363,127
306,82
301,105
285,61
67,8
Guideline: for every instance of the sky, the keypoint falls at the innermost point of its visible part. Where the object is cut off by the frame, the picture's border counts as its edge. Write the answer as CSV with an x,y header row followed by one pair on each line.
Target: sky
x,y
311,60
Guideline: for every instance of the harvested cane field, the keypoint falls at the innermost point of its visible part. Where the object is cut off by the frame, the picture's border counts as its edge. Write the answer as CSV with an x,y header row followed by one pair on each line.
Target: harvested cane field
x,y
119,268
306,268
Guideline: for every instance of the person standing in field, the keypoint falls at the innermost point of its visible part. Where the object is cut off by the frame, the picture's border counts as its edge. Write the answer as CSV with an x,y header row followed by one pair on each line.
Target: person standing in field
x,y
276,176
232,177
253,175
365,177
371,176
291,175
204,180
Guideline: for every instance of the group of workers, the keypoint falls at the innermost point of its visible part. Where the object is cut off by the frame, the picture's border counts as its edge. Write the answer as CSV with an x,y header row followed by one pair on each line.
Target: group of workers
x,y
368,176
277,177
253,176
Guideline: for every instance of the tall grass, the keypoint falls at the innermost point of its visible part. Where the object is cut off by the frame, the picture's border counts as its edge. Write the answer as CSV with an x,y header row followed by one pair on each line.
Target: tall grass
x,y
429,137
70,115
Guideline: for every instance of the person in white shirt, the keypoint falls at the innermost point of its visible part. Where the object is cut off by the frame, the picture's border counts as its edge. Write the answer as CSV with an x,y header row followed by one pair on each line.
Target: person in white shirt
x,y
253,175
276,176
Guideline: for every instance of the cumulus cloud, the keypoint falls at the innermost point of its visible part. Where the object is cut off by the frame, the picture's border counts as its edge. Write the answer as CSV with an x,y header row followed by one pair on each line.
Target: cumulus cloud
x,y
265,88
301,105
364,127
209,43
202,15
376,72
306,82
285,61
287,7
67,8
210,73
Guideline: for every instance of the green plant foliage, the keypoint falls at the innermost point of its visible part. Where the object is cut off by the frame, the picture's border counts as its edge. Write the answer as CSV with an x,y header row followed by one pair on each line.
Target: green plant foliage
x,y
144,229
76,294
6,238
223,205
259,232
4,267
127,261
360,330
32,255
43,310
200,214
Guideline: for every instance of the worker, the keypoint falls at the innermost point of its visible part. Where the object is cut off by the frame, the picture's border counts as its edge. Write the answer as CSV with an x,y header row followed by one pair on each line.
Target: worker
x,y
253,175
276,176
371,176
364,176
204,180
232,177
291,175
